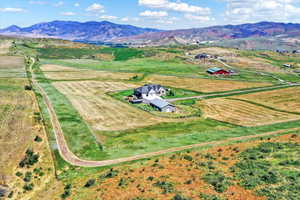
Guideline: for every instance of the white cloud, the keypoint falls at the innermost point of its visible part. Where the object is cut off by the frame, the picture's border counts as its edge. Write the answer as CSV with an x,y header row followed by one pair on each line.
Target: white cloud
x,y
95,8
12,10
68,13
125,19
59,4
174,6
76,4
162,21
241,11
38,2
197,17
154,14
108,17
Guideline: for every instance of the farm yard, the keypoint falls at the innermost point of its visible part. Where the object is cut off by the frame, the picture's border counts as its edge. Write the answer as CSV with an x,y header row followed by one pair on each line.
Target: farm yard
x,y
101,111
95,90
243,113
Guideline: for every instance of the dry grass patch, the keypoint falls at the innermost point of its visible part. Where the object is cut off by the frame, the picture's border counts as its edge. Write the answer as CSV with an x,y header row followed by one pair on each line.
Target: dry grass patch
x,y
286,99
216,51
57,72
19,126
202,85
242,113
101,111
259,64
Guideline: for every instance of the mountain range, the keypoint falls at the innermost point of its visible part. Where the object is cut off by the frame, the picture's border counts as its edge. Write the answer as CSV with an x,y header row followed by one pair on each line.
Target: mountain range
x,y
217,33
70,30
107,31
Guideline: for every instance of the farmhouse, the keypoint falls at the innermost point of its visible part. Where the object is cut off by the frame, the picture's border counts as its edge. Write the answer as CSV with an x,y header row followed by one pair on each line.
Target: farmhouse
x,y
151,94
150,91
202,56
218,71
296,52
288,66
282,51
162,105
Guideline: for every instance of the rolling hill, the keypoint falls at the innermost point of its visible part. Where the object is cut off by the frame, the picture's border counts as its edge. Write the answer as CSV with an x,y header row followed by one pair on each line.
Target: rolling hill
x,y
219,33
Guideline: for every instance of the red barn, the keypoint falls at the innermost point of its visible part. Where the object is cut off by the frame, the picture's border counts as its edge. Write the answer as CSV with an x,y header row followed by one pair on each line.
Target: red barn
x,y
218,71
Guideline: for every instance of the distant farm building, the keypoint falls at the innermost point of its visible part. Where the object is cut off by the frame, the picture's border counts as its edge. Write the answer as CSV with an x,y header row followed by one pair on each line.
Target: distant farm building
x,y
296,52
202,56
297,71
150,91
288,66
282,51
162,105
218,71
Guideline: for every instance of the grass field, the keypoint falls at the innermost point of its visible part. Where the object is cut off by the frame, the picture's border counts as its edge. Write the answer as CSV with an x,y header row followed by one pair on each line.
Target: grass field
x,y
286,99
58,72
202,85
242,113
145,65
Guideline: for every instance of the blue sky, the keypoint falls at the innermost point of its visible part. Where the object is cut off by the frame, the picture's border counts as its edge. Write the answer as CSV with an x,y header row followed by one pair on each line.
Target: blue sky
x,y
163,14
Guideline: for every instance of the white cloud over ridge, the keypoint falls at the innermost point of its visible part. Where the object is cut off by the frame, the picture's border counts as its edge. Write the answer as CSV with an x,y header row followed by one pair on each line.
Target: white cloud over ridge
x,y
68,13
12,10
154,14
108,17
241,11
174,6
95,8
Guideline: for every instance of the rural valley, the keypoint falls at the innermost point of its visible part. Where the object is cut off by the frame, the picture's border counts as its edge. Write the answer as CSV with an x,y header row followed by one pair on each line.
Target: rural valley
x,y
90,125
150,100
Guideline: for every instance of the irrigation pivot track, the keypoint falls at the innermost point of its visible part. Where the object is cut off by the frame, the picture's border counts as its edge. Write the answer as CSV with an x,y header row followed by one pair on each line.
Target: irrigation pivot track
x,y
72,159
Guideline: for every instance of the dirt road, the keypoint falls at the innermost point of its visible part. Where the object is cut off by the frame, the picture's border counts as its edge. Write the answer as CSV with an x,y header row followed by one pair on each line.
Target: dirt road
x,y
69,157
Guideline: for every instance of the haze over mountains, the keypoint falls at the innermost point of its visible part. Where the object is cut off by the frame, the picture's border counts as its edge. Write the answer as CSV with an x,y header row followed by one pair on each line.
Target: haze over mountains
x,y
107,31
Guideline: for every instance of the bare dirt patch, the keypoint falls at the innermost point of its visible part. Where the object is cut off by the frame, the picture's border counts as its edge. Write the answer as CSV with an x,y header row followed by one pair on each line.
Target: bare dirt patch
x,y
242,113
202,85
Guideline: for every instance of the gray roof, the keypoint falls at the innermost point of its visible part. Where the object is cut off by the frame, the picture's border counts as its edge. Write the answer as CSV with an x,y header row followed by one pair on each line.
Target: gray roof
x,y
160,103
214,69
147,88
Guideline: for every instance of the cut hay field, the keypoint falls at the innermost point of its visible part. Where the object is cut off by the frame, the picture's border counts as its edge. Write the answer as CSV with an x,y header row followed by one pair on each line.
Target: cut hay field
x,y
202,85
12,67
242,113
286,99
101,111
58,72
4,46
